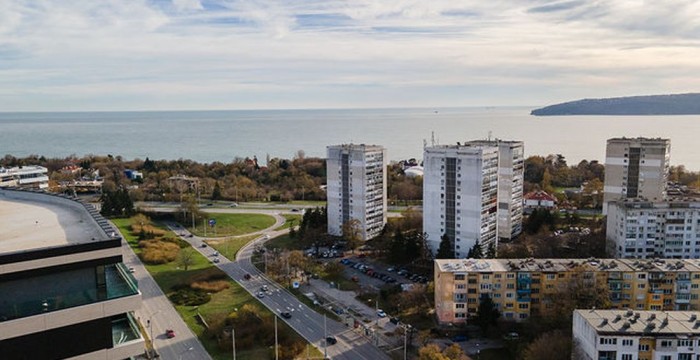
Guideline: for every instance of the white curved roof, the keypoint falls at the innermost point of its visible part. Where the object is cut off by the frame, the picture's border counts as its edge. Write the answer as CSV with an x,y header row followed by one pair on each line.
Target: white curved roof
x,y
414,171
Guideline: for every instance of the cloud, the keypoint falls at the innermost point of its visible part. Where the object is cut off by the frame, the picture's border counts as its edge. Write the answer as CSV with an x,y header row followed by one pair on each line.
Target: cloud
x,y
187,5
114,55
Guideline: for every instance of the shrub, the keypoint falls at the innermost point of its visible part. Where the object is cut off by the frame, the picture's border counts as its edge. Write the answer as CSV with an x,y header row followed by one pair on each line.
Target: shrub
x,y
211,286
190,297
158,252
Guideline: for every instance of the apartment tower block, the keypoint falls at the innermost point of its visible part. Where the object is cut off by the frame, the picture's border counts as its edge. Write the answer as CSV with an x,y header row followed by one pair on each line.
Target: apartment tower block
x,y
636,168
460,188
356,188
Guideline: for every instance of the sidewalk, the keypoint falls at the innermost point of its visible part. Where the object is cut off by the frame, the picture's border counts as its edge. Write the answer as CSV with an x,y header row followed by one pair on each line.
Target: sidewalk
x,y
345,299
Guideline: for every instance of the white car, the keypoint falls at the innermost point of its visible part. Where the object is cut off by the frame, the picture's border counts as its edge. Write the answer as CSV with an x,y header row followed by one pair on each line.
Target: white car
x,y
381,313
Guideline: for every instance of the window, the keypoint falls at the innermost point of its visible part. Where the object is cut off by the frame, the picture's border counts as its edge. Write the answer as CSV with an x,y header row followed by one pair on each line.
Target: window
x,y
627,342
608,341
685,342
460,306
459,277
666,343
643,347
626,356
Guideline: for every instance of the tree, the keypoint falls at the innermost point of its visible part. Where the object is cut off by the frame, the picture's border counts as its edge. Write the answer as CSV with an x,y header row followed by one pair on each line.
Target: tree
x,y
431,352
352,234
185,258
487,315
491,251
446,249
216,193
455,352
553,345
475,252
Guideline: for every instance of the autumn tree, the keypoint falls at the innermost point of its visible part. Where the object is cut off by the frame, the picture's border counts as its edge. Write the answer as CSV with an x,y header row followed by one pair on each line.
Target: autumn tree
x,y
553,345
352,234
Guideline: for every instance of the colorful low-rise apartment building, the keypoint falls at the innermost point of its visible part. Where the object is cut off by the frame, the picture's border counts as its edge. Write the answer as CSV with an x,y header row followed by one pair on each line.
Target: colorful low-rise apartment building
x,y
636,335
521,288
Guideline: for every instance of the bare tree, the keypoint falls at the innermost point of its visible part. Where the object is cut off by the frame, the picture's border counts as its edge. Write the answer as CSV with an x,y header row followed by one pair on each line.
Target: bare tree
x,y
185,258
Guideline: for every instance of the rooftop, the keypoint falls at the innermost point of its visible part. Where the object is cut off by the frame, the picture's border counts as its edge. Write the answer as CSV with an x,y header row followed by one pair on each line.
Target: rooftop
x,y
640,139
561,265
678,323
35,220
361,147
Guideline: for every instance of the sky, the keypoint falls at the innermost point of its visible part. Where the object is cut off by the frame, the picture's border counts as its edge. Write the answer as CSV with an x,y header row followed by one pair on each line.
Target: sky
x,y
116,55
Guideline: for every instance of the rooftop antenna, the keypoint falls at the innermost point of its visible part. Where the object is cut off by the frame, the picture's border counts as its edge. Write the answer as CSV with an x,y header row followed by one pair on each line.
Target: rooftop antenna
x,y
489,135
432,138
425,143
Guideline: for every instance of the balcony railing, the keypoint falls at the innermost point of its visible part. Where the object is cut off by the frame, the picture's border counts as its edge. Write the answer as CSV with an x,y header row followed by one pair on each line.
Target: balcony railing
x,y
118,283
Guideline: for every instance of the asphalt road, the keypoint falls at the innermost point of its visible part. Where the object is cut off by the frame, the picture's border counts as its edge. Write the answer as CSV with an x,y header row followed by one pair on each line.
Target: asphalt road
x,y
162,315
305,321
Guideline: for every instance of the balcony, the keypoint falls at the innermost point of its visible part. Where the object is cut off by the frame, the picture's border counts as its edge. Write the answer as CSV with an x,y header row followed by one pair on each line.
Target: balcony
x,y
53,292
124,330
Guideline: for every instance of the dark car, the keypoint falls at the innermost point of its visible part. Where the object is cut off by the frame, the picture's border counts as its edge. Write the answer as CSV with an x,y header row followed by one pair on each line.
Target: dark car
x,y
170,333
394,320
247,276
286,315
331,340
459,338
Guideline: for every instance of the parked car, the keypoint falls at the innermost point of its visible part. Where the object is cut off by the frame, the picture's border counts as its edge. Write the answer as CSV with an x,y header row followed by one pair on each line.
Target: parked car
x,y
170,333
286,315
394,320
381,313
511,336
459,338
331,340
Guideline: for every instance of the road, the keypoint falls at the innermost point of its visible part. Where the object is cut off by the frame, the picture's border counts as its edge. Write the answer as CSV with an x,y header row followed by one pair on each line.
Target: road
x,y
305,321
162,315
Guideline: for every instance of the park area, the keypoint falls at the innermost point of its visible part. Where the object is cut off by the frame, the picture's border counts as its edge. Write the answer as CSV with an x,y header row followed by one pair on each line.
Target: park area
x,y
200,291
232,224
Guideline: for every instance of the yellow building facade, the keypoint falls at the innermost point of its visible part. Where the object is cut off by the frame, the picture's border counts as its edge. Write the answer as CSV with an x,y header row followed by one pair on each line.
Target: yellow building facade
x,y
521,288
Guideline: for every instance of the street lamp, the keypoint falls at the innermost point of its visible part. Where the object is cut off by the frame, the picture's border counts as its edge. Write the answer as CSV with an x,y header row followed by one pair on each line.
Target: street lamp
x,y
150,328
183,353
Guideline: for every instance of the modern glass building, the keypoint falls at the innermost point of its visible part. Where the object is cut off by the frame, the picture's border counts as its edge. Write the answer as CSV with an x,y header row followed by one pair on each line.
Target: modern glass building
x,y
64,291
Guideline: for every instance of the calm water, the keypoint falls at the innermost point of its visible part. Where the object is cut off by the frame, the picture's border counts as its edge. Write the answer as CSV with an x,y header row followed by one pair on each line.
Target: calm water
x,y
208,136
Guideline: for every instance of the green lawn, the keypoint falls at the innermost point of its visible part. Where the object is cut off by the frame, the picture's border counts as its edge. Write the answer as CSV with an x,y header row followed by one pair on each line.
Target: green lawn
x,y
234,224
221,304
290,220
229,247
284,242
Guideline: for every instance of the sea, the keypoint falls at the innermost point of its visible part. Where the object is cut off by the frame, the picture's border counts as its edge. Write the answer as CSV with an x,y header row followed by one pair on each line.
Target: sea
x,y
208,136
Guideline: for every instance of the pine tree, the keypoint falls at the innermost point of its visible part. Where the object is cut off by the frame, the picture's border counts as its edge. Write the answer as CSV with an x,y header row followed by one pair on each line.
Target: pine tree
x,y
446,250
216,193
491,251
475,252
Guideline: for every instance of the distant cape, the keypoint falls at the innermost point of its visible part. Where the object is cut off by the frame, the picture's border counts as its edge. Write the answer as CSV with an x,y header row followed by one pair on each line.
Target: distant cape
x,y
676,104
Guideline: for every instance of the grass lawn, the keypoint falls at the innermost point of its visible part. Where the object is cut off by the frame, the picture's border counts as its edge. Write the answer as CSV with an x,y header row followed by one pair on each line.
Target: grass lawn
x,y
235,224
284,242
229,247
221,304
290,220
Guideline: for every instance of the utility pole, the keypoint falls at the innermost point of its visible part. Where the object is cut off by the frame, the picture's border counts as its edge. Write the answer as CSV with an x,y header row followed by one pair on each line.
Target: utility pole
x,y
233,340
405,341
276,352
325,338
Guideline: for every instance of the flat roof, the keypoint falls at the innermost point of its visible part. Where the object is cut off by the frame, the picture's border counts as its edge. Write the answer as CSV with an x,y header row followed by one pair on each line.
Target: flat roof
x,y
628,322
563,265
31,221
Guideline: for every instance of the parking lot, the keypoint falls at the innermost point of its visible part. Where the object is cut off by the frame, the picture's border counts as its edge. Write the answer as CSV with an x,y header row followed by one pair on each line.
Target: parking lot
x,y
377,275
